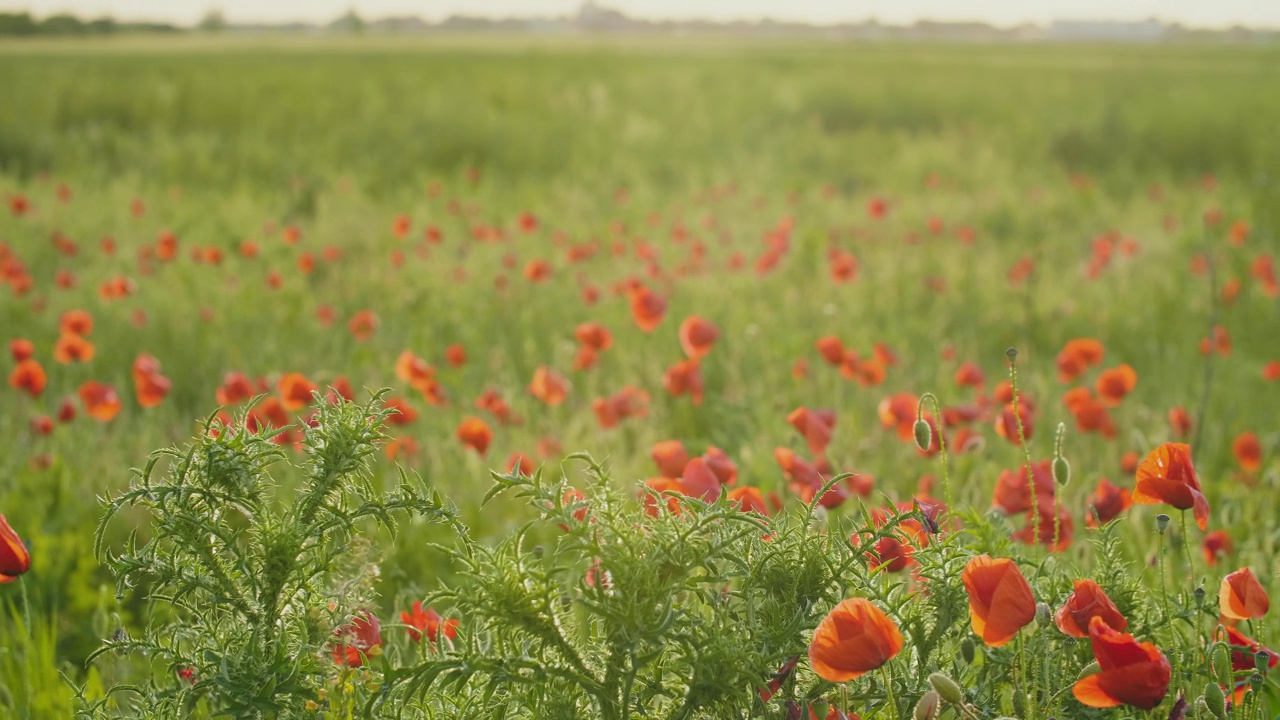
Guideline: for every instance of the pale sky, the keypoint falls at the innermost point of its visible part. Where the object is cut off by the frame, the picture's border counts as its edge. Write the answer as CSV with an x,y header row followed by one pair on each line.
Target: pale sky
x,y
1213,13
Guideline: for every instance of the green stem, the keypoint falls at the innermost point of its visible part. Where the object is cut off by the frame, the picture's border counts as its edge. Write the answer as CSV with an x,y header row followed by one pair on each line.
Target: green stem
x,y
1215,309
1012,354
942,448
888,684
1186,545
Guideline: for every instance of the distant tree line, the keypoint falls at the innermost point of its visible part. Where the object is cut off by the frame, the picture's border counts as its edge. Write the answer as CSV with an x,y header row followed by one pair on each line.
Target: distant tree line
x,y
24,25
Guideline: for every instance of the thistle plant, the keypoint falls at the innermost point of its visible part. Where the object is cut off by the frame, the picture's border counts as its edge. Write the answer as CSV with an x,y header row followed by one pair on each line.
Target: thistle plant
x,y
245,576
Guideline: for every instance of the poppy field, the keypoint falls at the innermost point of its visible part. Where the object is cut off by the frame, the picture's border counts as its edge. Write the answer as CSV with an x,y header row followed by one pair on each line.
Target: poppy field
x,y
494,377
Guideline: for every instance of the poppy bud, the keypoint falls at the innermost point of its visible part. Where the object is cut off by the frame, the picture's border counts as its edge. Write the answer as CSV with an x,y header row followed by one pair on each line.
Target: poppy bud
x,y
947,688
966,650
1216,700
929,706
1043,613
819,707
924,436
1162,523
1199,594
1061,470
1262,660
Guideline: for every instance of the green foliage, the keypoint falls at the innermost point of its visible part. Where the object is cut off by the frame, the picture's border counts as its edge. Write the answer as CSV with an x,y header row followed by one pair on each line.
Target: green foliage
x,y
245,590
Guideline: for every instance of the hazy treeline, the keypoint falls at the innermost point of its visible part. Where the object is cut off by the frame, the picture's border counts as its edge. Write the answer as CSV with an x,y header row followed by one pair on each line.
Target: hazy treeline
x,y
23,24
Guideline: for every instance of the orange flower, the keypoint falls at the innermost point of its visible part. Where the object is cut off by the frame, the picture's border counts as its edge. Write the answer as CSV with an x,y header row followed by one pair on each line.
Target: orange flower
x,y
1086,602
815,425
697,336
75,322
724,468
29,376
1216,545
429,623
295,391
698,481
492,401
21,349
1248,451
1133,673
404,413
855,638
684,377
1242,597
899,412
455,355
72,348
362,325
475,434
1167,476
1000,599
831,349
549,386
150,387
647,308
1007,422
414,370
970,375
1114,383
100,401
354,642
1129,462
593,335
1180,421
1244,659
236,388
1077,356
1271,371
749,499
14,557
671,457
1107,501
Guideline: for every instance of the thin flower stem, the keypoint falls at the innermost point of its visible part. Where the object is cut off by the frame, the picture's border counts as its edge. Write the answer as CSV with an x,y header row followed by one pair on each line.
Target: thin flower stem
x,y
942,447
1012,354
1186,545
1215,309
888,684
1164,589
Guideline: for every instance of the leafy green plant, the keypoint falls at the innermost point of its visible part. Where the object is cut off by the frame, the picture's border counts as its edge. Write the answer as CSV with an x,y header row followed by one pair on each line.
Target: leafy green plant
x,y
246,589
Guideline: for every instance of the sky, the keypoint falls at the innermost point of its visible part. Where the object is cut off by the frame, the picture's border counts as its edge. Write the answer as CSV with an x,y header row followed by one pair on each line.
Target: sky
x,y
1205,13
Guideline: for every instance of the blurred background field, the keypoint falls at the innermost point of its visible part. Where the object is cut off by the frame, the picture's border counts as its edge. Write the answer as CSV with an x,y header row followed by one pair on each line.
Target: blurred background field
x,y
1035,150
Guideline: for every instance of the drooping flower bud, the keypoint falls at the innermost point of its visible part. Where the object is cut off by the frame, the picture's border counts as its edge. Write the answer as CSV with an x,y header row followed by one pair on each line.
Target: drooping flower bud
x,y
1216,701
924,435
929,706
1061,471
947,688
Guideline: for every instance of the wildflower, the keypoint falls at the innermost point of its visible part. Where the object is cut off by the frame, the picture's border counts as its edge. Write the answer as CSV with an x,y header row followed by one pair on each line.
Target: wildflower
x,y
455,355
725,470
475,434
14,558
1242,597
748,499
1180,421
71,347
670,457
549,386
150,387
1115,383
100,401
697,336
403,414
362,326
1107,501
29,376
593,335
1133,673
1216,544
1167,476
970,375
429,623
1245,653
21,349
1086,602
1000,599
685,377
853,639
647,308
831,349
1248,451
295,391
357,640
815,425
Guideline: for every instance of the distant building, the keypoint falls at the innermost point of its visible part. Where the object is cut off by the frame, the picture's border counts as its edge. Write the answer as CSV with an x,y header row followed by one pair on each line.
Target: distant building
x,y
1106,31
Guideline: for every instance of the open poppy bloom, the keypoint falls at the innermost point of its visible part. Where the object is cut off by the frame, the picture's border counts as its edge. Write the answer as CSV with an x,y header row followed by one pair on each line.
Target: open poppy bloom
x,y
1133,673
855,638
685,378
100,401
593,335
1077,356
14,558
749,499
362,326
1248,451
71,347
697,336
1167,476
475,434
698,481
1007,425
1242,597
28,376
75,322
720,464
549,386
1216,544
236,388
354,642
1013,492
970,375
295,391
1000,599
1107,501
21,349
1086,602
1115,383
815,425
429,623
150,387
670,457
647,308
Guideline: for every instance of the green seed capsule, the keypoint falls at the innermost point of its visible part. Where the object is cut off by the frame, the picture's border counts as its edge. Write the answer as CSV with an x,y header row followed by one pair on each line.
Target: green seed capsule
x,y
947,688
1061,470
1162,523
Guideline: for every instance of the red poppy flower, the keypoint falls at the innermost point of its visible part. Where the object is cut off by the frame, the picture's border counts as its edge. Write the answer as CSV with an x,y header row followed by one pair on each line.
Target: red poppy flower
x,y
1179,421
429,623
855,638
295,391
970,375
1107,501
1086,602
1167,476
1216,545
75,322
236,388
72,348
684,377
1013,492
475,434
698,481
549,386
724,468
491,401
1055,528
593,335
647,308
1242,597
831,349
403,414
1133,673
899,412
21,349
1248,451
354,642
1007,422
815,425
455,355
66,410
14,558
749,499
671,457
697,336
100,401
1077,356
362,326
28,376
1000,599
150,387
1115,383
1271,371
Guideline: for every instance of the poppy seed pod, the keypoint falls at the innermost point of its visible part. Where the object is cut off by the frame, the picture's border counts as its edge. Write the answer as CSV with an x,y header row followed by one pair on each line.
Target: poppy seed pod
x,y
924,436
1262,660
1162,523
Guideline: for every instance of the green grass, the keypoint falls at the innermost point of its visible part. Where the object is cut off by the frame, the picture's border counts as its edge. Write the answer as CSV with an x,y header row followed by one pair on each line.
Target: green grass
x,y
220,137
